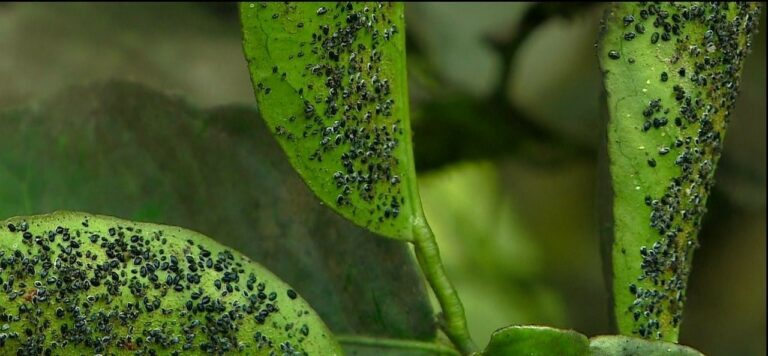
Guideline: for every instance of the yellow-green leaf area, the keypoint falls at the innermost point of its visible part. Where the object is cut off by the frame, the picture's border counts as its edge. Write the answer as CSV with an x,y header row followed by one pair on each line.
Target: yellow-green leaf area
x,y
74,283
617,345
330,81
671,73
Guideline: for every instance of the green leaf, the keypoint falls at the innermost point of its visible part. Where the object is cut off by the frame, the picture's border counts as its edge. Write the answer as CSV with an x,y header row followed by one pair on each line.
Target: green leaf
x,y
330,80
536,340
363,345
331,84
124,150
670,89
80,283
616,345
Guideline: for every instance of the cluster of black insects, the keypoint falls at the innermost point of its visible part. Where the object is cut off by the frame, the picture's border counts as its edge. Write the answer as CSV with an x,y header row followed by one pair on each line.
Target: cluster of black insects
x,y
352,117
74,286
712,82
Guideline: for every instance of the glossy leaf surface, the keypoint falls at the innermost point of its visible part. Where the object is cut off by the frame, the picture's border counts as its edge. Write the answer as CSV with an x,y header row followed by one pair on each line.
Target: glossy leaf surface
x,y
80,283
536,341
330,81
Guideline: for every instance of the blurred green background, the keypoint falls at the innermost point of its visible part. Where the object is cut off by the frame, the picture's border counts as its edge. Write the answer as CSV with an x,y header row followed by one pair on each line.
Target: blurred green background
x,y
506,115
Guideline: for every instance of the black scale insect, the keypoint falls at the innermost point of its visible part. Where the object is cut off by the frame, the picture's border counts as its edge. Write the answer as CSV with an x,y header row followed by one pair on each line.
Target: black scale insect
x,y
351,116
84,271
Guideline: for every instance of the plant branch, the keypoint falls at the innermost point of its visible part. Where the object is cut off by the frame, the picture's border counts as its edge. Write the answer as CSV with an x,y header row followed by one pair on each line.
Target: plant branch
x,y
427,253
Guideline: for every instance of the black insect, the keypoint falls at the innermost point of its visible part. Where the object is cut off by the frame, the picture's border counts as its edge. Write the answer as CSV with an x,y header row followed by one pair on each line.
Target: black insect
x,y
628,20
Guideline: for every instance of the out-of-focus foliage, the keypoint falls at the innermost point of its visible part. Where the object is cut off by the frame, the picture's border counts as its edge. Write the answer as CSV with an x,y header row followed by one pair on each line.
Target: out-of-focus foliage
x,y
554,90
537,143
455,36
190,49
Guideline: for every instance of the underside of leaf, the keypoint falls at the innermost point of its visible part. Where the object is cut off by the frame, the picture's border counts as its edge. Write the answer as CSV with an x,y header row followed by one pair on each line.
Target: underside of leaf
x,y
672,73
330,81
74,283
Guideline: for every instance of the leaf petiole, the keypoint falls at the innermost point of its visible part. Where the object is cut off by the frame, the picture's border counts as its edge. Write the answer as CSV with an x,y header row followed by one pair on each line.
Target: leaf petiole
x,y
428,255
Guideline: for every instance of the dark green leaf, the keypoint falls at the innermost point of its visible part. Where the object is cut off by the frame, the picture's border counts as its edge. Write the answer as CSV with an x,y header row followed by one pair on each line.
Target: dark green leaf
x,y
616,345
536,341
672,73
331,83
105,289
124,150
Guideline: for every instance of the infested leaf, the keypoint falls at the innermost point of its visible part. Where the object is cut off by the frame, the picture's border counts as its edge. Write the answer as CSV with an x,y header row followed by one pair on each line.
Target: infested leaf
x,y
672,73
536,341
80,283
330,80
125,150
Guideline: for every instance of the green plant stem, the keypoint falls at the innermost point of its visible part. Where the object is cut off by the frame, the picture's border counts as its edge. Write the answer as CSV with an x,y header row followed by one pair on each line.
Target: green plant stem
x,y
427,253
432,347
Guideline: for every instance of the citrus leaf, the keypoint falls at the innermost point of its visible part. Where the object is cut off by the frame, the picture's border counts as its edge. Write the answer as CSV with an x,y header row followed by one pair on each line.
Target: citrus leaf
x,y
80,283
124,150
671,74
536,341
363,345
616,345
330,81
